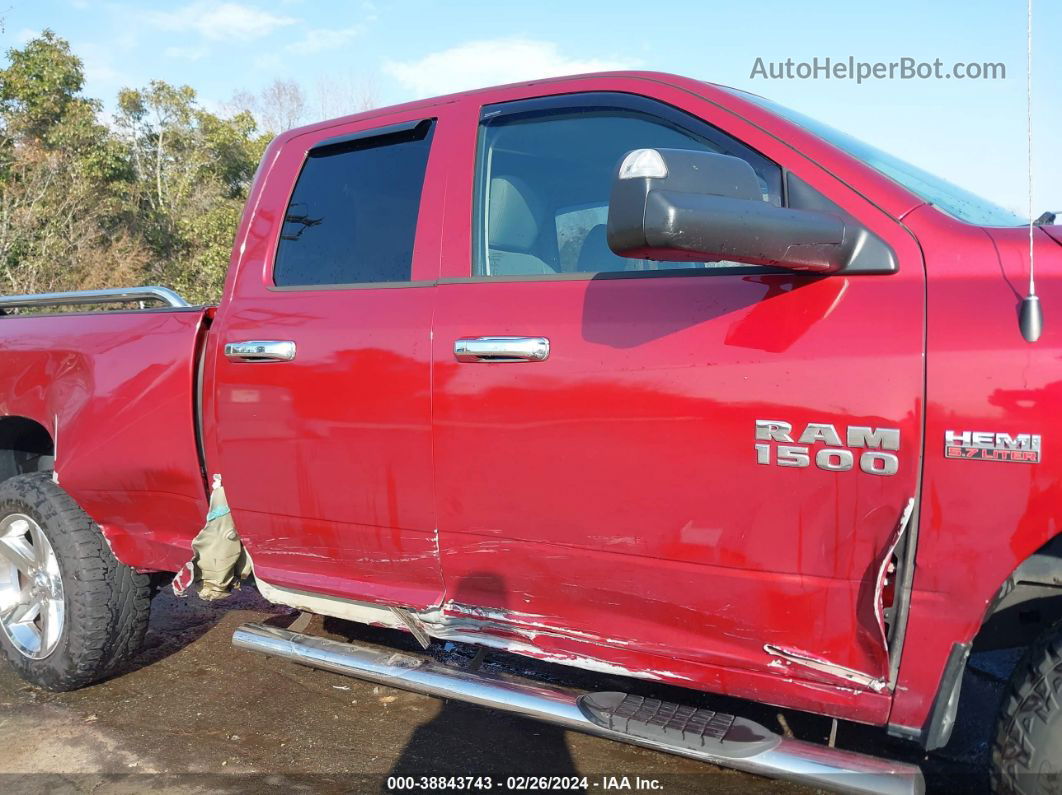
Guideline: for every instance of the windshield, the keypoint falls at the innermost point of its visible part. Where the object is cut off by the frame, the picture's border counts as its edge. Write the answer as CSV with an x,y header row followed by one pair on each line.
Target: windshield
x,y
952,199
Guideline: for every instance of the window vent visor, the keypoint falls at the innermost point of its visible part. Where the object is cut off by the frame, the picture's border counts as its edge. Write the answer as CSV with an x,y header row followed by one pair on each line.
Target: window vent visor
x,y
378,136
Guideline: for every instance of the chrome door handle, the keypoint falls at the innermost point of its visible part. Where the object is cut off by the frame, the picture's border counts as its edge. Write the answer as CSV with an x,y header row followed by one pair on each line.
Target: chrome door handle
x,y
260,351
501,349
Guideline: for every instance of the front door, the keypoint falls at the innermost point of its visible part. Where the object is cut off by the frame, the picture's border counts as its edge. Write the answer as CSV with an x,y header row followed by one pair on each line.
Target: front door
x,y
323,436
650,485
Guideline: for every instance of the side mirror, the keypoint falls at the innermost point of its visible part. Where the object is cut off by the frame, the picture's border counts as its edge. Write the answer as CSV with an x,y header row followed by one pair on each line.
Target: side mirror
x,y
689,206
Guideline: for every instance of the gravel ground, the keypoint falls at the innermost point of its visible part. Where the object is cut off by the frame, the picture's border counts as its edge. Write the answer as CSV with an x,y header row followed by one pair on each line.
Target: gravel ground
x,y
195,715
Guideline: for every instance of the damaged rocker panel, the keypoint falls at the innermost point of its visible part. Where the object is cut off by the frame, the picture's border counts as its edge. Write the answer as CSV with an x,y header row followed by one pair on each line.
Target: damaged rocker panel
x,y
434,623
496,628
825,666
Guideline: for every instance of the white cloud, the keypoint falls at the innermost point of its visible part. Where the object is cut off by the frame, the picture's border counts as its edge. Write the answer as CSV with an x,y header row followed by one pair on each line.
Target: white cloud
x,y
186,53
26,34
491,62
320,39
222,21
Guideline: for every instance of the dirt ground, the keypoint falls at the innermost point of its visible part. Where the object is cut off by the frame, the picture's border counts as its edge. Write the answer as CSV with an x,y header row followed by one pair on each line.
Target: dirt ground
x,y
195,715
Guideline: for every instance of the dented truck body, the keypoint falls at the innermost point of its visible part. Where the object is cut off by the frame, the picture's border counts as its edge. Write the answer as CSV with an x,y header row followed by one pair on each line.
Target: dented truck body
x,y
749,481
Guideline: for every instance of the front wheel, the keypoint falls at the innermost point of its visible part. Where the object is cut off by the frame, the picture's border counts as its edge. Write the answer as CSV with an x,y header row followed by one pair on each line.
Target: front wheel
x,y
70,613
1027,755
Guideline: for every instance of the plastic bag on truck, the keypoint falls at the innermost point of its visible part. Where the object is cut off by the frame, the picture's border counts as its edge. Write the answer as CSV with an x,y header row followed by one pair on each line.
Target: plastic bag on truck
x,y
219,561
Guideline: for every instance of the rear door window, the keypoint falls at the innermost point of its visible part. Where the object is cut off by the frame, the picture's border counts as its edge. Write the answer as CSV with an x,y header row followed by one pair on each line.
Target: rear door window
x,y
352,217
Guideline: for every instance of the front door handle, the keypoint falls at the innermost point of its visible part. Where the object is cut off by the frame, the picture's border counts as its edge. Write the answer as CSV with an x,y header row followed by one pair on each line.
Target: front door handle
x,y
260,351
501,349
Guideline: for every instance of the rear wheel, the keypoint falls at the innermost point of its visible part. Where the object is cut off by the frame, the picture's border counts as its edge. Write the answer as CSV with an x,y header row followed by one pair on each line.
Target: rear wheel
x,y
70,613
1027,755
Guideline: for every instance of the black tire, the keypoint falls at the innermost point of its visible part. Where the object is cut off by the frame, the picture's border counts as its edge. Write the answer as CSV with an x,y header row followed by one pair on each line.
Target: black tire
x,y
106,603
1027,754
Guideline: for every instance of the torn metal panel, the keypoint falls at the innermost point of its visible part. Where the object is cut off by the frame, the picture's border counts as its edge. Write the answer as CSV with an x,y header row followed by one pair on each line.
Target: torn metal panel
x,y
519,633
526,625
886,568
469,633
808,660
301,622
414,625
480,626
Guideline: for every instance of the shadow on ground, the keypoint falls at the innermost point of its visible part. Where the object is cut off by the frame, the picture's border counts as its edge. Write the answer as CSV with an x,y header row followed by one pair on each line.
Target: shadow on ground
x,y
960,767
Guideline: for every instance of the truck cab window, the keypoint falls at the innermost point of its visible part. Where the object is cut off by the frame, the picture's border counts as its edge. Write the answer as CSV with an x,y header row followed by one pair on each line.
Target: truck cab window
x,y
352,217
545,177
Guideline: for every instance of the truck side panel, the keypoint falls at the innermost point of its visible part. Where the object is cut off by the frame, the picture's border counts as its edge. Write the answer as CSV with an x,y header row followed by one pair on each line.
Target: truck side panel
x,y
327,458
115,392
979,518
631,507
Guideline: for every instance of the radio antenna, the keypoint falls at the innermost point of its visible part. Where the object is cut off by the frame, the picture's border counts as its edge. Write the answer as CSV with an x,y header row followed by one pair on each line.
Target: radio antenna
x,y
1031,315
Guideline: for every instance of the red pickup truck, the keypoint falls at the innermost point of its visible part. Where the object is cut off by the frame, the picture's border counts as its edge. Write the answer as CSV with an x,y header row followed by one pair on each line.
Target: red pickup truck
x,y
624,371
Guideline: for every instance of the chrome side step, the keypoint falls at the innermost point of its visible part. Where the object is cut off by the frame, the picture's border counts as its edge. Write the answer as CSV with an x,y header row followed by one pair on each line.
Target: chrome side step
x,y
695,733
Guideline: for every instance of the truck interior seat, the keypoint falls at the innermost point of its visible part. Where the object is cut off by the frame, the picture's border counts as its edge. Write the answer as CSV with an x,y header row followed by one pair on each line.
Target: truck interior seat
x,y
596,256
513,225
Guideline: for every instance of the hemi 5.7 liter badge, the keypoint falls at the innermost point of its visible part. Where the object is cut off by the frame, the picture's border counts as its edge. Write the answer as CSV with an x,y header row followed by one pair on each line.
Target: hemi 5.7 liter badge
x,y
1023,448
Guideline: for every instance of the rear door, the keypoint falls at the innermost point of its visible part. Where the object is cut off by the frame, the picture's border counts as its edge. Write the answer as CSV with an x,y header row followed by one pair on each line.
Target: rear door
x,y
321,417
623,489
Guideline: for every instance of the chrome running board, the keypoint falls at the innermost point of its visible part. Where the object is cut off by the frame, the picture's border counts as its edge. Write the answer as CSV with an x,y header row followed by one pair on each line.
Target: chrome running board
x,y
695,733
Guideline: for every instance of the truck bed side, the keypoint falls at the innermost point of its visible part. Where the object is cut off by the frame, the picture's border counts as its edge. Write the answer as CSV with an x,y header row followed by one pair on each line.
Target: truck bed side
x,y
115,392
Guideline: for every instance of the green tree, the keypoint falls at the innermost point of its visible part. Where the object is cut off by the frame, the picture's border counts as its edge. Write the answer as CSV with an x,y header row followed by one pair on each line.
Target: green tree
x,y
154,198
192,172
60,171
39,86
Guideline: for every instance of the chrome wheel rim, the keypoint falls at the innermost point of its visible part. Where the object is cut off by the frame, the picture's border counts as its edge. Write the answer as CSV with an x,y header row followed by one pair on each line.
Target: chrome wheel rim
x,y
32,610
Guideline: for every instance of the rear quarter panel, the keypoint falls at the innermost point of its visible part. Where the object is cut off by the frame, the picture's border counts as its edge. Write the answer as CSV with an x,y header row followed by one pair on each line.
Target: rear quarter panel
x,y
115,391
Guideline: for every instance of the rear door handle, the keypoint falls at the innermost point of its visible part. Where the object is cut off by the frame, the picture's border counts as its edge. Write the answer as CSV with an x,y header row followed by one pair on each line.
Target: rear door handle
x,y
501,349
260,351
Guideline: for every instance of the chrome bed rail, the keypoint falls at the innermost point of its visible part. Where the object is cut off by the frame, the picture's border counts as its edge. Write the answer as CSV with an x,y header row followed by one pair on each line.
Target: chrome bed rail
x,y
120,295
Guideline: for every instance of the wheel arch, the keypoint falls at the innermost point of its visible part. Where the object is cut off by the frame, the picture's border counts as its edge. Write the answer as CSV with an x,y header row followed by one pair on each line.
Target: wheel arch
x,y
1027,603
25,446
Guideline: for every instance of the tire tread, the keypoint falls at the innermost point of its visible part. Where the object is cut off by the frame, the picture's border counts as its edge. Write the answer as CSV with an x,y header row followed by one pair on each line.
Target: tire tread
x,y
1021,744
107,602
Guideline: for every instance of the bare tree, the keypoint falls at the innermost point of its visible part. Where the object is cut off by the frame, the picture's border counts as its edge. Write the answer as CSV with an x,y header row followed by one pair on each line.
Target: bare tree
x,y
341,96
284,104
278,107
242,101
281,106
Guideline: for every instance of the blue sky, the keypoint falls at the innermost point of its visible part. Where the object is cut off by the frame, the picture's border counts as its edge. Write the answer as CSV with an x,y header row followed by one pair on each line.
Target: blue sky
x,y
969,131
